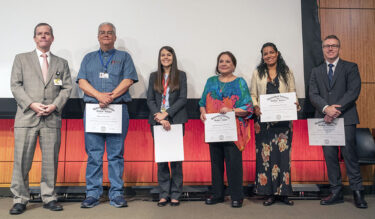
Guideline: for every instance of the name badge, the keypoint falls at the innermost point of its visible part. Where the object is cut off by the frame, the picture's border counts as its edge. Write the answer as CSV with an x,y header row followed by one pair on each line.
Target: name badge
x,y
57,82
103,75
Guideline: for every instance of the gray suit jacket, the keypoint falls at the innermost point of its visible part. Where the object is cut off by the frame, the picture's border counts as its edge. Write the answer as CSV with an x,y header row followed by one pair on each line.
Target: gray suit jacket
x,y
27,85
345,89
177,100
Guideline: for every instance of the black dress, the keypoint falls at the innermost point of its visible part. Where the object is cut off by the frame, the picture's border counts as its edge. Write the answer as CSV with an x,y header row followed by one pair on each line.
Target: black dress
x,y
273,142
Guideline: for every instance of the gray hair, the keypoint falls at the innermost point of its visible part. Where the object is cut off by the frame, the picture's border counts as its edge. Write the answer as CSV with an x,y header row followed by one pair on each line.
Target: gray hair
x,y
107,23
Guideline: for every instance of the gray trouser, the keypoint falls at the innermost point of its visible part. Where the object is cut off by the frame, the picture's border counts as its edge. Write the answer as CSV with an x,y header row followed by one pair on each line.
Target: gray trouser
x,y
170,184
24,148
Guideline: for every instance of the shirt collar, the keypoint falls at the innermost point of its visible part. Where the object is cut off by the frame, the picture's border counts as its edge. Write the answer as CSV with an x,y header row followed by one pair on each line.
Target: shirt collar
x,y
109,52
39,53
334,63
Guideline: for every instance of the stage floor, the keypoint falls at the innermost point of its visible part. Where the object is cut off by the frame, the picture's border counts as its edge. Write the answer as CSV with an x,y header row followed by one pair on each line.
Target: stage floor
x,y
143,207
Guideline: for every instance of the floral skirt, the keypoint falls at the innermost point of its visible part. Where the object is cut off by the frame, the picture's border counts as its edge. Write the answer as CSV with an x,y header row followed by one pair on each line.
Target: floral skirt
x,y
273,142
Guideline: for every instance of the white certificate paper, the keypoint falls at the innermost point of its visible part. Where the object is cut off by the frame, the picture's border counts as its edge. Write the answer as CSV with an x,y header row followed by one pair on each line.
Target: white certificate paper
x,y
104,120
169,145
278,107
220,127
326,134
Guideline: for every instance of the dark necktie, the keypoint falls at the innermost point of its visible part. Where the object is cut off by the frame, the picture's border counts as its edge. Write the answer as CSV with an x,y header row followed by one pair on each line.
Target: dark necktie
x,y
330,74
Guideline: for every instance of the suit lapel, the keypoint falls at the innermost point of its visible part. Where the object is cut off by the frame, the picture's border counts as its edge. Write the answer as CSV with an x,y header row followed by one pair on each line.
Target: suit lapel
x,y
337,72
51,67
36,64
323,72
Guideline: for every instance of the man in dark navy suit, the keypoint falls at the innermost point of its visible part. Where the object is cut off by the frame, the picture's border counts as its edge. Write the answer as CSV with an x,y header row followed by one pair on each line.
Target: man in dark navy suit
x,y
334,88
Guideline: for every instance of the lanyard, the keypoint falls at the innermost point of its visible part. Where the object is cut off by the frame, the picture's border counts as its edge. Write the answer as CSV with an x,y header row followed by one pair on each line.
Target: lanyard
x,y
165,86
101,60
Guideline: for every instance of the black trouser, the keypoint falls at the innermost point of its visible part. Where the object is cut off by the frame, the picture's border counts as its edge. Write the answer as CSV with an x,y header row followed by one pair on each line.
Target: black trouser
x,y
229,152
170,184
351,162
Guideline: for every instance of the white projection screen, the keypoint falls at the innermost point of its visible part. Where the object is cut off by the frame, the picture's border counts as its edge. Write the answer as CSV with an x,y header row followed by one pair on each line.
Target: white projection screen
x,y
197,30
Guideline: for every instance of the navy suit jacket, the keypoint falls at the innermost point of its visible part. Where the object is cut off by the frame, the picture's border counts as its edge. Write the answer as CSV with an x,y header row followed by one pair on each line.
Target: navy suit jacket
x,y
345,89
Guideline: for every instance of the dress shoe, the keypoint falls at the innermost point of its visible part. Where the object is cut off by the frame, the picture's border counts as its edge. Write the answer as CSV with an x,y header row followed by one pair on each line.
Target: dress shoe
x,y
333,198
17,208
212,201
53,206
359,199
285,200
237,203
270,200
162,203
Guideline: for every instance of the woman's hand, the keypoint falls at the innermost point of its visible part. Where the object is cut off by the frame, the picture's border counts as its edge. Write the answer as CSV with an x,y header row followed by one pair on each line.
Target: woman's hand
x,y
298,106
225,110
160,116
166,125
257,111
203,114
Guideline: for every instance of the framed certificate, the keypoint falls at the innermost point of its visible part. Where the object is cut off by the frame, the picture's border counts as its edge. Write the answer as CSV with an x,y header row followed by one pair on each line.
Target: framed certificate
x,y
278,107
103,120
326,134
220,127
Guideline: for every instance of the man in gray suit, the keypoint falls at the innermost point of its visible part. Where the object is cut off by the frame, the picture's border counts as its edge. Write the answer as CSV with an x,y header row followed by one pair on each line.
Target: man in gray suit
x,y
41,85
334,88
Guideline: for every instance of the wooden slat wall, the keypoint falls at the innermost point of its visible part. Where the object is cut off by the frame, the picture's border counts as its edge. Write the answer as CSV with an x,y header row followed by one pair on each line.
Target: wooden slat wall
x,y
353,21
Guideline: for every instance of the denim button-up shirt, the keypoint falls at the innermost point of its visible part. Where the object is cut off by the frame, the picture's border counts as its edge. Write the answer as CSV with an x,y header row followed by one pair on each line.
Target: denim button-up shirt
x,y
119,67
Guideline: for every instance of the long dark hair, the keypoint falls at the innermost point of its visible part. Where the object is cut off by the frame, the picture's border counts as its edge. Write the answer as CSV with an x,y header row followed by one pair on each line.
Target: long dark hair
x,y
231,56
282,69
174,75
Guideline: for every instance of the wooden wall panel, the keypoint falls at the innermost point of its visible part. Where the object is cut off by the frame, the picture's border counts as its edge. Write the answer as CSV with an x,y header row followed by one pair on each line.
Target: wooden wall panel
x,y
347,3
194,142
356,30
308,171
6,140
366,106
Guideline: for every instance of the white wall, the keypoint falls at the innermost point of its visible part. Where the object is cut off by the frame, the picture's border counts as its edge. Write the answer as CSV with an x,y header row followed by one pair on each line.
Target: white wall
x,y
197,30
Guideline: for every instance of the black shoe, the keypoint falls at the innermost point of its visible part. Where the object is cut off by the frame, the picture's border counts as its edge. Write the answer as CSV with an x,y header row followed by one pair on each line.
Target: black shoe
x,y
333,198
237,204
212,201
17,208
162,204
359,199
53,206
175,204
270,200
285,200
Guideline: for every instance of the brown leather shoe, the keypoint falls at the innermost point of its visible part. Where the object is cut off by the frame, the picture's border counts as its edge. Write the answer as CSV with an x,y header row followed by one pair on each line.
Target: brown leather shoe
x,y
359,199
333,198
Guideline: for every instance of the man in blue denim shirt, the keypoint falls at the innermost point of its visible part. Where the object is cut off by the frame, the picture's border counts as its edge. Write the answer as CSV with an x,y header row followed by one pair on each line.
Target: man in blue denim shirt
x,y
105,77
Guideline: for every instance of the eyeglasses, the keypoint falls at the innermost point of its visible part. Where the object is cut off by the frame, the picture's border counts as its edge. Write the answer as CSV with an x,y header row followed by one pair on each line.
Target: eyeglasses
x,y
333,46
106,32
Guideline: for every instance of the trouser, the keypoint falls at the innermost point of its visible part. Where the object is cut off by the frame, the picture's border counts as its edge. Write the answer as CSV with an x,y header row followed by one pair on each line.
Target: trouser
x,y
351,162
170,184
24,147
229,152
95,144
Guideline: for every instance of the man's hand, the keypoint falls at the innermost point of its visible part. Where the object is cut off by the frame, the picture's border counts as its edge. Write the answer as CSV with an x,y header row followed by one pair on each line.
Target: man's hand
x,y
328,119
38,108
49,109
331,111
104,98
